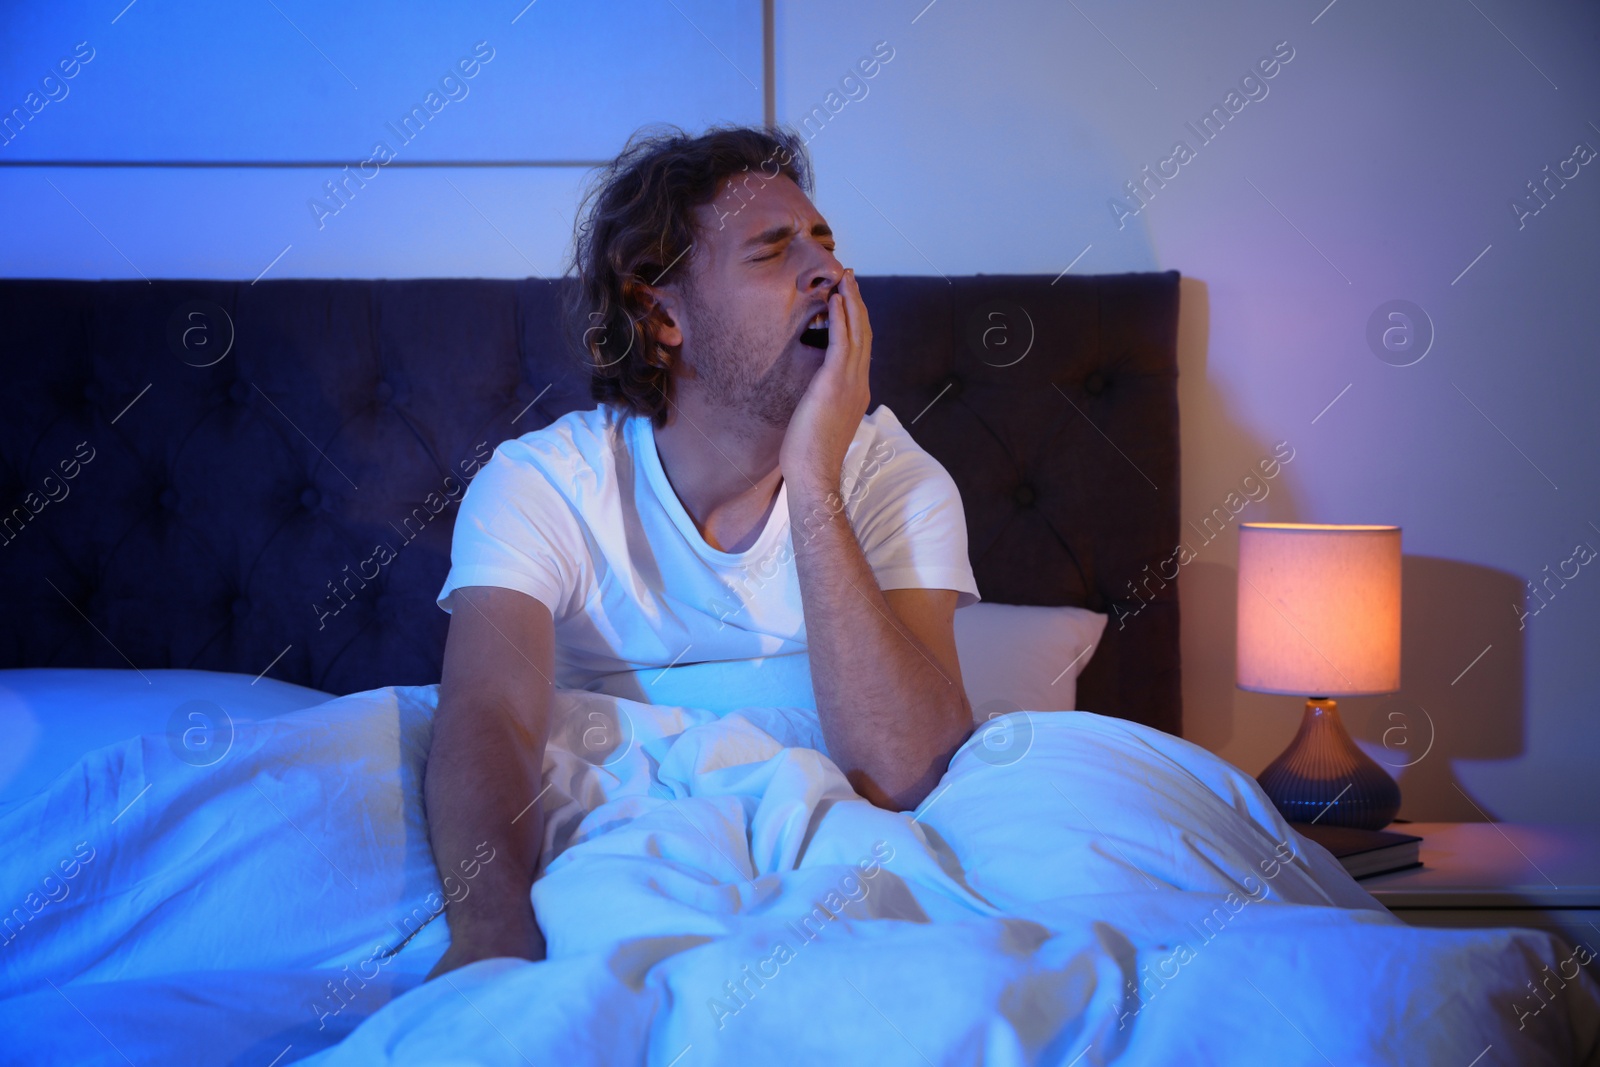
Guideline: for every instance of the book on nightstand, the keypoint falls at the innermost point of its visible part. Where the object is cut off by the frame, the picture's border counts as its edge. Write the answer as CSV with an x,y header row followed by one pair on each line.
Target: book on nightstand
x,y
1364,853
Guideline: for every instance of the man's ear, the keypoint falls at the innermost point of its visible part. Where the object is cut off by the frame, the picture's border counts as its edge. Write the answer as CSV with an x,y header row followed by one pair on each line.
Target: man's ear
x,y
661,315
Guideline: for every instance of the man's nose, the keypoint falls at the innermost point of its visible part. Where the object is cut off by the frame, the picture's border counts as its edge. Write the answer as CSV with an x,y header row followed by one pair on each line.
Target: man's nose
x,y
826,273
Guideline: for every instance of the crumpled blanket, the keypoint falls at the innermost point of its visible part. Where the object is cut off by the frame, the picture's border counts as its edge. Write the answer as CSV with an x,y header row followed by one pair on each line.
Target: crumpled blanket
x,y
1077,890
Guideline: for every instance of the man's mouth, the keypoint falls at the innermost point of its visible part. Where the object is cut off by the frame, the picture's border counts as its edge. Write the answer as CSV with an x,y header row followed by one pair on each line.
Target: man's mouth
x,y
816,332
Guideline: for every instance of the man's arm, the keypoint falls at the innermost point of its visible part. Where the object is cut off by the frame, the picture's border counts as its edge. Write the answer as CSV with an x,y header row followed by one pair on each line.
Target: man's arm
x,y
484,771
883,665
889,693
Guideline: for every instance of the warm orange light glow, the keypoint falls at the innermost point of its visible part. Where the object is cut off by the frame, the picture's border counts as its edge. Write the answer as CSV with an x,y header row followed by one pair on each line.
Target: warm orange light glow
x,y
1319,609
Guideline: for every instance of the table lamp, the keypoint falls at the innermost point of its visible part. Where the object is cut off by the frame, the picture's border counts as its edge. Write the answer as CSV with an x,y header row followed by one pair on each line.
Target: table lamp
x,y
1319,617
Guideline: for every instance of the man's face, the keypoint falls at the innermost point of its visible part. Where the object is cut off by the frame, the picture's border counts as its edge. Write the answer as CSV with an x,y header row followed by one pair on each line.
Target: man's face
x,y
762,267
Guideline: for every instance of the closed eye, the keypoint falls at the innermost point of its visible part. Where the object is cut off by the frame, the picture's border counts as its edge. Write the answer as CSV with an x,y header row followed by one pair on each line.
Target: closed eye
x,y
774,255
779,237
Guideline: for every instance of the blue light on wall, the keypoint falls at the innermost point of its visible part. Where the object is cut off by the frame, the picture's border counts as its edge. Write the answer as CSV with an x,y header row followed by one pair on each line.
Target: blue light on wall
x,y
193,140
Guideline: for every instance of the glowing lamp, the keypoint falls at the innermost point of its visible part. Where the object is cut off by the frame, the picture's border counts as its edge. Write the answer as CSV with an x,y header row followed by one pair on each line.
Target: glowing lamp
x,y
1319,617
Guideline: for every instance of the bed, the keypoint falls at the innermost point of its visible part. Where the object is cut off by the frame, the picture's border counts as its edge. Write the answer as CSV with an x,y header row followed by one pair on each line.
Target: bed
x,y
219,700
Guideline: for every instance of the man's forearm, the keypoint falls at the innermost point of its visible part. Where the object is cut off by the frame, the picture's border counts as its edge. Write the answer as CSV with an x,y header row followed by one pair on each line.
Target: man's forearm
x,y
890,715
480,777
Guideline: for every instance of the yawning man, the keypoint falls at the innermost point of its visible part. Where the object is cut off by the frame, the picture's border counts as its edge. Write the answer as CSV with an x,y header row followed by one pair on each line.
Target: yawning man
x,y
728,503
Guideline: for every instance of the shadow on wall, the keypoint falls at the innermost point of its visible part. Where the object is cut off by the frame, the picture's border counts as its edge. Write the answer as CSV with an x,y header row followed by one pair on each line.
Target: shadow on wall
x,y
1463,670
1224,484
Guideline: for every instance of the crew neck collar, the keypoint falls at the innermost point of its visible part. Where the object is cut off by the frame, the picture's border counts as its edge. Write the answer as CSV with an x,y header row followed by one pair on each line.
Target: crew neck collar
x,y
777,519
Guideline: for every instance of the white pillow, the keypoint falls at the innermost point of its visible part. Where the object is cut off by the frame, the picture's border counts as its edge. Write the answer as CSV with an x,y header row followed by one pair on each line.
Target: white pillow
x,y
1024,658
51,716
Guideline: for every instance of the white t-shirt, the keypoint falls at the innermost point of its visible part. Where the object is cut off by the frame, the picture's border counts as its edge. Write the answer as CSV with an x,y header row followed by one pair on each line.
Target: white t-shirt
x,y
580,516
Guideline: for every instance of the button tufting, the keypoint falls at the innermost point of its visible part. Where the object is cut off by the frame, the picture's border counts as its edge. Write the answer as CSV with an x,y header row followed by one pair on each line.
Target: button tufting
x,y
310,498
168,498
1024,495
91,392
241,607
383,392
954,385
238,392
1095,383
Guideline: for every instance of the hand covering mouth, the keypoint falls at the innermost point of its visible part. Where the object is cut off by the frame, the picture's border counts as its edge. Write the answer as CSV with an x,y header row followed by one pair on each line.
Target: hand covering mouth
x,y
815,334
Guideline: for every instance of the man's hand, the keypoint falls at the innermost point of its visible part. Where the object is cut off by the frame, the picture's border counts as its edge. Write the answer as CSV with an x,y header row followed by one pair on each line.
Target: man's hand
x,y
828,415
472,946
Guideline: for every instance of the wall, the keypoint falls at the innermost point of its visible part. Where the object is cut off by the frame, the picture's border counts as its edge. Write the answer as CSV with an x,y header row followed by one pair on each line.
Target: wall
x,y
289,95
1380,162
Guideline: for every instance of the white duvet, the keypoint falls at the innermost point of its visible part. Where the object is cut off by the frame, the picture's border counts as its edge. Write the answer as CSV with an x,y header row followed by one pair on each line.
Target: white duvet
x,y
1077,890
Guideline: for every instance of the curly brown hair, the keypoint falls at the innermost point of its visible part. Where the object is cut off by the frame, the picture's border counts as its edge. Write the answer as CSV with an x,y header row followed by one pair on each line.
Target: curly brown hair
x,y
636,228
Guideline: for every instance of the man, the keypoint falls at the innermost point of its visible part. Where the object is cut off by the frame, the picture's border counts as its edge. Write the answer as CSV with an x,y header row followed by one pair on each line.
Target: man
x,y
702,508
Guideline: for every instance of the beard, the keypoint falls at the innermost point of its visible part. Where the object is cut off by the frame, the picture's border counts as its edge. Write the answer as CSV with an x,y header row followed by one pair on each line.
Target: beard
x,y
725,363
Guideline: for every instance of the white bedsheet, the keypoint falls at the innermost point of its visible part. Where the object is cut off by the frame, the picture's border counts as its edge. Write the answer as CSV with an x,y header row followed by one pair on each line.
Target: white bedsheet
x,y
1078,889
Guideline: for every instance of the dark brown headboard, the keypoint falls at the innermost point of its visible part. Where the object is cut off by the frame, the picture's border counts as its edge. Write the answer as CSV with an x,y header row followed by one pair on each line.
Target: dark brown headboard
x,y
226,492
1065,452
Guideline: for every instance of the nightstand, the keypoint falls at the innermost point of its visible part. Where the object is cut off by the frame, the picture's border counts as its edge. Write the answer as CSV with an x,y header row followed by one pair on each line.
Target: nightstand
x,y
1500,874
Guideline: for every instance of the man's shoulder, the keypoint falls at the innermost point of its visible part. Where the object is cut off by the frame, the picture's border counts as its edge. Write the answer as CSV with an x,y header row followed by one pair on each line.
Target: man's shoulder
x,y
575,459
881,436
586,438
885,460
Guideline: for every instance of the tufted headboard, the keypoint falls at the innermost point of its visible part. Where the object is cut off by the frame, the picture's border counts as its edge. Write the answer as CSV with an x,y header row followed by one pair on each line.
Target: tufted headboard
x,y
200,474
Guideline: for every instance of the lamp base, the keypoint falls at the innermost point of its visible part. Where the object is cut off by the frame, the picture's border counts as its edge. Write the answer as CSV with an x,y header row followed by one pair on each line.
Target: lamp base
x,y
1322,777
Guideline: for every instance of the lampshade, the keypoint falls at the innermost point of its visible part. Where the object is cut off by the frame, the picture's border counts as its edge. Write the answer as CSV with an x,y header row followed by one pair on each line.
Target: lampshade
x,y
1319,609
